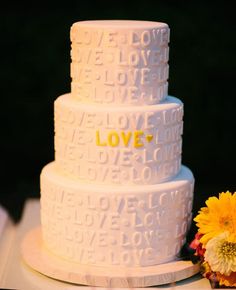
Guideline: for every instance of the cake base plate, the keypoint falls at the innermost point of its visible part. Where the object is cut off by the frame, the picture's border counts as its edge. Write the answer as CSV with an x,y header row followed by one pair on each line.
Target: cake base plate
x,y
40,259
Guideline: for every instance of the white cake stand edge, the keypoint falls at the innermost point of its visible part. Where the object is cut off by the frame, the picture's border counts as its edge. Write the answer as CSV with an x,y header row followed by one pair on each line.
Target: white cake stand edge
x,y
40,259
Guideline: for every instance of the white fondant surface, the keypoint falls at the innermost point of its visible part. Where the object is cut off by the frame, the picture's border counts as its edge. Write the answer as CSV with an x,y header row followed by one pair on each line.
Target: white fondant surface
x,y
111,145
116,195
121,24
116,226
119,62
43,261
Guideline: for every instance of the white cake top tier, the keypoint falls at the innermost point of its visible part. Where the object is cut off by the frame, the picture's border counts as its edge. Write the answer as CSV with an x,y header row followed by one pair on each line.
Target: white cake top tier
x,y
119,62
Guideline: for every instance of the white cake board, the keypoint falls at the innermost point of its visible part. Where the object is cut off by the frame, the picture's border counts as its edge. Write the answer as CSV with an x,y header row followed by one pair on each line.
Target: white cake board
x,y
43,261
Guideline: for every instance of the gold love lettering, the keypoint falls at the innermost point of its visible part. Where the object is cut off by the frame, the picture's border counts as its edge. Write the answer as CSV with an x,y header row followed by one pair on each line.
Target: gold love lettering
x,y
115,139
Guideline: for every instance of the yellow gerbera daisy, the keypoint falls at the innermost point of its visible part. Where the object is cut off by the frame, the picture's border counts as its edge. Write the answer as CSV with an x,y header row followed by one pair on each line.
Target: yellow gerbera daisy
x,y
219,216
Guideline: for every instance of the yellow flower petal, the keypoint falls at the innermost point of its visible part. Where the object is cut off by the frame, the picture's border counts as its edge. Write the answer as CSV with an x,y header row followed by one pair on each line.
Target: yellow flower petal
x,y
229,281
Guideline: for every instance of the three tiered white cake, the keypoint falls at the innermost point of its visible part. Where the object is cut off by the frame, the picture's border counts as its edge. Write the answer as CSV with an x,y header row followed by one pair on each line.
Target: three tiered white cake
x,y
116,194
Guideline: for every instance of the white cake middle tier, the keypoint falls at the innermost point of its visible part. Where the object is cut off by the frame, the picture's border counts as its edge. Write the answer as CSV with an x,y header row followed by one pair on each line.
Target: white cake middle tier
x,y
118,145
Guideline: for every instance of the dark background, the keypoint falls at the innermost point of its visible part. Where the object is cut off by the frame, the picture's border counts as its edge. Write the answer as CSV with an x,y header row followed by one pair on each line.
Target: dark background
x,y
35,64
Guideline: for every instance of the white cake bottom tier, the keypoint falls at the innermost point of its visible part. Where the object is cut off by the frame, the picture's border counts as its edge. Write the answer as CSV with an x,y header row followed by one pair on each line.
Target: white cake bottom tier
x,y
115,225
118,145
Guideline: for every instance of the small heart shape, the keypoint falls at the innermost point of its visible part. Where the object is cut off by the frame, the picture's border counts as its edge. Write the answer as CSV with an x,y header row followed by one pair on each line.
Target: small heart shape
x,y
149,138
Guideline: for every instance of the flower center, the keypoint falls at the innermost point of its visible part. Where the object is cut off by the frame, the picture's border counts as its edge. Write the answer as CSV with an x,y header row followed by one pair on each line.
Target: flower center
x,y
228,249
226,222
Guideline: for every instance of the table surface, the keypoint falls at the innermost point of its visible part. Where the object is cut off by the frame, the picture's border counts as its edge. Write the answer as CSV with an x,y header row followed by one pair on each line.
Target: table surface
x,y
15,274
